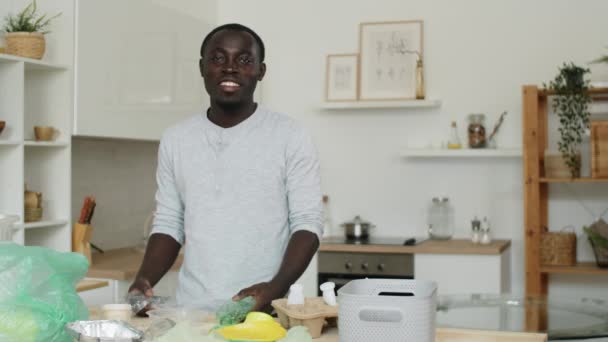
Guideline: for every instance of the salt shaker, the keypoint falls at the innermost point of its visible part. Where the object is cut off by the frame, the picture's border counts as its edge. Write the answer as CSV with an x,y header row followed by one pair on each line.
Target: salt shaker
x,y
475,230
485,229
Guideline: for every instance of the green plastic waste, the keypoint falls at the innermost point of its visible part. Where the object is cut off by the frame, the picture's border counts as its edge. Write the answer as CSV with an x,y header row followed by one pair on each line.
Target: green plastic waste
x,y
38,293
234,312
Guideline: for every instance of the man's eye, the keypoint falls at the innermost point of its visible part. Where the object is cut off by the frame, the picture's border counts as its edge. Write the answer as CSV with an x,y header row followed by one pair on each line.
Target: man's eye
x,y
245,60
217,59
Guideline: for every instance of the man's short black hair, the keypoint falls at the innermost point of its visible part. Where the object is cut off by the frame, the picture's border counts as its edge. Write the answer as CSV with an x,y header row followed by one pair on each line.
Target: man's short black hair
x,y
235,27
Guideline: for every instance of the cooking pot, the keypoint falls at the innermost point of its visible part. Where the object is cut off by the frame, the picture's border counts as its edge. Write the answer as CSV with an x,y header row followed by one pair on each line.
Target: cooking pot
x,y
357,228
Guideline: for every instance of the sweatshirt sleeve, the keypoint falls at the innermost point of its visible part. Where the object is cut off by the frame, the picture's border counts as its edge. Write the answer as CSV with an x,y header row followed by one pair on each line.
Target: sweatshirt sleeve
x,y
303,184
169,215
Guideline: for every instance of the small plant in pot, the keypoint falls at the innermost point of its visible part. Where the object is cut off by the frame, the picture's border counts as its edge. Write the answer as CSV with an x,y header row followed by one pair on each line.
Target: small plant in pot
x,y
571,104
24,32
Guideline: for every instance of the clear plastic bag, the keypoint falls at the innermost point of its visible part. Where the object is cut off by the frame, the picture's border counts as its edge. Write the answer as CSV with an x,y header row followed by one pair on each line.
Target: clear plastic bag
x,y
38,293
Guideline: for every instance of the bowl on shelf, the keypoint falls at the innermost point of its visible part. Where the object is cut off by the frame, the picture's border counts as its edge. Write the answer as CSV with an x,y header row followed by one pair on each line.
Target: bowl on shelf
x,y
2,125
45,133
32,214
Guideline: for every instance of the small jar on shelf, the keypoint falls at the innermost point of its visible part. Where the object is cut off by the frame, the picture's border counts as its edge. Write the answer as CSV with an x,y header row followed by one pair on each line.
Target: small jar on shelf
x,y
477,130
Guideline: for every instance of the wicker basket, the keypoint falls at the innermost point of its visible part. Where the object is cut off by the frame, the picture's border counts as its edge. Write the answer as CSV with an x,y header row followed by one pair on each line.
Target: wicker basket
x,y
558,248
25,44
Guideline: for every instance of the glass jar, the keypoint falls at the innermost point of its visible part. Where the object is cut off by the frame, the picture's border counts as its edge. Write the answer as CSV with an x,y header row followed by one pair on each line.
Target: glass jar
x,y
440,219
477,131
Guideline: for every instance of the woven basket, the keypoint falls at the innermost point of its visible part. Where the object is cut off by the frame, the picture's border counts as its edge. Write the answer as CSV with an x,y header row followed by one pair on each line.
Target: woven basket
x,y
25,44
558,248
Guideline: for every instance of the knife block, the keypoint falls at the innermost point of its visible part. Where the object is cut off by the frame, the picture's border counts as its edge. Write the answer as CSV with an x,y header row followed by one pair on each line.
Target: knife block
x,y
81,237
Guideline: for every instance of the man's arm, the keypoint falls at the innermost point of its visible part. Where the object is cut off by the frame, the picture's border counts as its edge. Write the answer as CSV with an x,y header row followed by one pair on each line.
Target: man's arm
x,y
300,250
161,253
303,185
167,228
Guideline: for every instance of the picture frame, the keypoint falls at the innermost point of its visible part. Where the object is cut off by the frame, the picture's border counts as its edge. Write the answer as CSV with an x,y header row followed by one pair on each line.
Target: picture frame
x,y
341,77
389,52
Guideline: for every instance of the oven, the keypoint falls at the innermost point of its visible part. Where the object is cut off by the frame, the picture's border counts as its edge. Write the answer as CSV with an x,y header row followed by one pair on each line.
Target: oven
x,y
342,267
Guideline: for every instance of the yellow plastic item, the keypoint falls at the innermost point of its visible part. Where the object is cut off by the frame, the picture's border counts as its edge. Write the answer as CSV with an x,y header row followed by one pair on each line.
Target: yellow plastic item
x,y
258,326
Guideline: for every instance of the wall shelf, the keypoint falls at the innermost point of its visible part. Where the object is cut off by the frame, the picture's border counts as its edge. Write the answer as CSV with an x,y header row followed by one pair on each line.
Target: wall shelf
x,y
465,152
582,268
32,64
9,143
381,104
574,180
44,224
46,143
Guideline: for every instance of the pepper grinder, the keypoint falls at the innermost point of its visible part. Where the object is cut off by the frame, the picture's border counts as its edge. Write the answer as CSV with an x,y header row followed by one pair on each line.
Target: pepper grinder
x,y
475,228
485,229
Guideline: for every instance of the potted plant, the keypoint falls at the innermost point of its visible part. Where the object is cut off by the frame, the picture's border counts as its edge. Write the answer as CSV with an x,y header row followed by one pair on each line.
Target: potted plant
x,y
598,238
571,104
24,32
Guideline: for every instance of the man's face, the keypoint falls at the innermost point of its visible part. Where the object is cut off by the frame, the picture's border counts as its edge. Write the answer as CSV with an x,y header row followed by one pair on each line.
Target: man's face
x,y
231,67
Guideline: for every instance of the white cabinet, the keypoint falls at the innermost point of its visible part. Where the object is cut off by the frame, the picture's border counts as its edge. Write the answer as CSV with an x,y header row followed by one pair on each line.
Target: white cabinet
x,y
39,93
465,273
137,73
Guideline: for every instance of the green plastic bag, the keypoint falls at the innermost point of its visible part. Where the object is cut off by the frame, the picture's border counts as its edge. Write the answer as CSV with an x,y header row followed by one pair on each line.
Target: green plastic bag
x,y
38,293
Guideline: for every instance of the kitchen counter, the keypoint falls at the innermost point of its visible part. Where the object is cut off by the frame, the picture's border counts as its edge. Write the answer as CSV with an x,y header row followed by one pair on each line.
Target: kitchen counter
x,y
442,334
90,284
454,246
121,264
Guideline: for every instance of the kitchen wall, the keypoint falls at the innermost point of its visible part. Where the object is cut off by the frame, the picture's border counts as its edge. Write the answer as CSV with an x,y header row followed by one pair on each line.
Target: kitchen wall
x,y
478,54
121,176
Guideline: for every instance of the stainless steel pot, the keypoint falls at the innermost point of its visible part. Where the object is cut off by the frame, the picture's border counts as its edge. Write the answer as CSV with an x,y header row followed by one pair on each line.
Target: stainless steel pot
x,y
357,229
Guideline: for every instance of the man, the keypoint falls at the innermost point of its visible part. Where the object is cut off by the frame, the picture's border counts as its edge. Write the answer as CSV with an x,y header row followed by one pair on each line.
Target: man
x,y
239,185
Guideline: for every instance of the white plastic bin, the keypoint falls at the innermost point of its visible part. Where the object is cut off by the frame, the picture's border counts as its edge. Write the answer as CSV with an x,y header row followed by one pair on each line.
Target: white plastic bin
x,y
387,310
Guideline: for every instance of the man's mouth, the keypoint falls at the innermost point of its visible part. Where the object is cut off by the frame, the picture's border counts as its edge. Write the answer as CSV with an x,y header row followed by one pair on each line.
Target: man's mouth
x,y
229,86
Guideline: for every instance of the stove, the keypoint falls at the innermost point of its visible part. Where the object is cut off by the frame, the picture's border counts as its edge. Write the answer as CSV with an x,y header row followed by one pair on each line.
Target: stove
x,y
392,241
342,267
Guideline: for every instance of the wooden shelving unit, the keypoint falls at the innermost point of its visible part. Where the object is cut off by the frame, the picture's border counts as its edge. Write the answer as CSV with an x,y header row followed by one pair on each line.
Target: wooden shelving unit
x,y
536,194
39,93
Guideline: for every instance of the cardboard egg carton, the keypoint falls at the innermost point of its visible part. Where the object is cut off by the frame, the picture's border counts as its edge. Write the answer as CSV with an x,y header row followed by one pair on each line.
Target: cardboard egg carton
x,y
312,314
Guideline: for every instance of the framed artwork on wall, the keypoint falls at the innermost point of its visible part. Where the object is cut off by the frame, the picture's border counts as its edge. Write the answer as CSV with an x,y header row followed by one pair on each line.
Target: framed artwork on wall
x,y
389,52
341,77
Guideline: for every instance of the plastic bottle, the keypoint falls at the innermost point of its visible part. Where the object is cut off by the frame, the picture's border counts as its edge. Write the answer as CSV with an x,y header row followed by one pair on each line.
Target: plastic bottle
x,y
329,296
296,295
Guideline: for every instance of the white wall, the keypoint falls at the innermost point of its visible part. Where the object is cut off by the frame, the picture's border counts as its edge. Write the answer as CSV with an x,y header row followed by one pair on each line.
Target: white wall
x,y
121,176
478,54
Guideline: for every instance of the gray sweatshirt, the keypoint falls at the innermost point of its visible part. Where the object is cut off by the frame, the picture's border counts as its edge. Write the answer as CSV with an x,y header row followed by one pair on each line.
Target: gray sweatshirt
x,y
233,197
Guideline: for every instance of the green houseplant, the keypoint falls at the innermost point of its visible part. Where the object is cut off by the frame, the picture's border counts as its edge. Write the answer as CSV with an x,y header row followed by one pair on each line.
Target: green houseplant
x,y
571,104
603,59
24,32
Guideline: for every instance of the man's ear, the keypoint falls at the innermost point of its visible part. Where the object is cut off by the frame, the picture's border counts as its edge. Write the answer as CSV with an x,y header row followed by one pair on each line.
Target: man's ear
x,y
262,71
201,65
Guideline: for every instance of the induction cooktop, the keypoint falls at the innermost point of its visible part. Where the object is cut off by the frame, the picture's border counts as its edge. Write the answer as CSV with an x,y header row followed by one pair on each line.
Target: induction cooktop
x,y
392,241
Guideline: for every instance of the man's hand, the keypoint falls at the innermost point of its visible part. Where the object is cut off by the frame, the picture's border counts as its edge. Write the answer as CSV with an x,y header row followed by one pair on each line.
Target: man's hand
x,y
142,286
263,293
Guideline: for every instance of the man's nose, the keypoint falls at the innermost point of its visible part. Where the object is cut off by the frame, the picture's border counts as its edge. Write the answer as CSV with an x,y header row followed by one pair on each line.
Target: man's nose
x,y
231,65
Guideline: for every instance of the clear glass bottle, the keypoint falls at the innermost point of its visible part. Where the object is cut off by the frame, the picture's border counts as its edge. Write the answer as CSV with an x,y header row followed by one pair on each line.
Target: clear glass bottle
x,y
454,140
327,221
441,219
477,130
